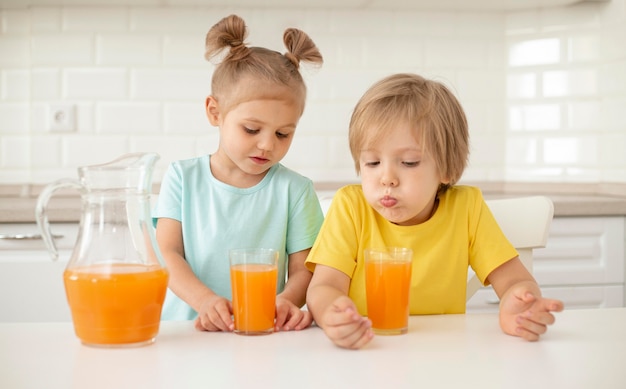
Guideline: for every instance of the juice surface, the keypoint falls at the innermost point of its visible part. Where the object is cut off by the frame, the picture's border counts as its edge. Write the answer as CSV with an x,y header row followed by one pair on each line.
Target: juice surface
x,y
254,297
387,284
116,304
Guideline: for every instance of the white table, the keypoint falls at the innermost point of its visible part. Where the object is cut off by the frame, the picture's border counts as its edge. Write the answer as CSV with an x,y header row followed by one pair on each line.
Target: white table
x,y
584,349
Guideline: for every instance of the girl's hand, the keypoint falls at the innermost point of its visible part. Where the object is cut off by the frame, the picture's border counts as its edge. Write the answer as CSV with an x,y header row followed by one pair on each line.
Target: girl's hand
x,y
525,315
344,326
290,317
215,315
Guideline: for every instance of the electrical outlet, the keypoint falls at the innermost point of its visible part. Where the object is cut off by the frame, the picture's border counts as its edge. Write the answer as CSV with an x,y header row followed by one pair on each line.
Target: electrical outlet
x,y
62,117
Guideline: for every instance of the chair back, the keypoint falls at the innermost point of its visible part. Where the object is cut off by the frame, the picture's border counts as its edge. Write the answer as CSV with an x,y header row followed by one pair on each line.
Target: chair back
x,y
525,221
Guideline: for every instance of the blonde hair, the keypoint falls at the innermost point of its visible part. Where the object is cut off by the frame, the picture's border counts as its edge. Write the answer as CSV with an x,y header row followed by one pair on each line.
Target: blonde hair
x,y
258,66
427,106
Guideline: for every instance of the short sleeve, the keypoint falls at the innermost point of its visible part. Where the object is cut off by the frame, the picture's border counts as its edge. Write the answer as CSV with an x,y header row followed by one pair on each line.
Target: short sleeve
x,y
168,204
489,247
305,220
337,242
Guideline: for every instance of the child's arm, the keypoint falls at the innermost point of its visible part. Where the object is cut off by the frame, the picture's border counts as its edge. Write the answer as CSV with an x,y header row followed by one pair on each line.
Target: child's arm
x,y
288,313
334,311
214,312
523,312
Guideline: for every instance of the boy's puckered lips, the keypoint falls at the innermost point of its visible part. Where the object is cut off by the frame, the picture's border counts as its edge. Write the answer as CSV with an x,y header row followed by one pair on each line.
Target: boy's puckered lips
x,y
388,201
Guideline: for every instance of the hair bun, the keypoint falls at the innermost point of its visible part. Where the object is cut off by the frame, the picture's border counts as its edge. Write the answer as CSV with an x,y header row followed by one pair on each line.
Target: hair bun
x,y
300,47
228,33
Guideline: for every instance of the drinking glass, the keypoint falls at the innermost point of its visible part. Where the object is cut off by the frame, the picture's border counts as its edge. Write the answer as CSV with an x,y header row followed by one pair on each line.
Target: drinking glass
x,y
387,284
253,277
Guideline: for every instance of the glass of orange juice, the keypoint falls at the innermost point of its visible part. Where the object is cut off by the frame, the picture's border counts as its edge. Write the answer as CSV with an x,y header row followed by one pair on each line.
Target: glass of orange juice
x,y
253,278
387,284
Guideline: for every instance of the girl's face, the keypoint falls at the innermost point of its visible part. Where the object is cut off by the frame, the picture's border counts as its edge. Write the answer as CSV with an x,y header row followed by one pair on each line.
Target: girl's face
x,y
254,136
399,181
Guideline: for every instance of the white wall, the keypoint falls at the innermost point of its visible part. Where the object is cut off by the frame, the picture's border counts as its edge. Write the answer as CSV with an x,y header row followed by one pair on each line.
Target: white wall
x,y
566,81
138,80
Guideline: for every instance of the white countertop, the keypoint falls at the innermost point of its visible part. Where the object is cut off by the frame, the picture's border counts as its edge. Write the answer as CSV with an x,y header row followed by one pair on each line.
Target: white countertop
x,y
584,349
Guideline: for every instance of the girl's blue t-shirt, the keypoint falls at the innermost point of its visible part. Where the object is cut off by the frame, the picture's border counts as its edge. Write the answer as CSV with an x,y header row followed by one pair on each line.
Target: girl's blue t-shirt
x,y
281,212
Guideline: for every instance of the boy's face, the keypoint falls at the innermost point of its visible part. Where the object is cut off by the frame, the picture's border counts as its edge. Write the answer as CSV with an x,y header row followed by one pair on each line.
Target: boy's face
x,y
254,136
399,181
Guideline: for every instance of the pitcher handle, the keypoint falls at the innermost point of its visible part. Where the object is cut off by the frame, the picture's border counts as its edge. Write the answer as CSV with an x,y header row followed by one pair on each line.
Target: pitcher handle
x,y
41,211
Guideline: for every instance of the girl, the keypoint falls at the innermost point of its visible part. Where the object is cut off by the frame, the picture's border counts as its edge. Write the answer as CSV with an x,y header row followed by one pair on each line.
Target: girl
x,y
241,196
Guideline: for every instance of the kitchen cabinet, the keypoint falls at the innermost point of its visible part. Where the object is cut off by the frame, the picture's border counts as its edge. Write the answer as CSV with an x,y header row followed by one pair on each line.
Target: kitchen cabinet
x,y
31,283
582,264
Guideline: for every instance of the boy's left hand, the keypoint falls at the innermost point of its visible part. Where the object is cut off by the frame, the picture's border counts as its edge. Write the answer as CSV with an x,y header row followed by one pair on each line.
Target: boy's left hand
x,y
290,317
526,315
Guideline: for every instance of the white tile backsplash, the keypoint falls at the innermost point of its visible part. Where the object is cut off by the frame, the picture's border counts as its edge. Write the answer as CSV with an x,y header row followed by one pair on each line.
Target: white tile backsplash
x,y
45,19
78,150
171,149
182,50
16,84
95,83
583,48
583,115
378,52
15,152
46,152
129,118
13,119
535,117
128,49
570,18
45,84
613,81
95,19
521,86
61,49
544,90
545,51
167,20
15,21
425,24
570,83
614,114
170,84
450,53
188,116
15,50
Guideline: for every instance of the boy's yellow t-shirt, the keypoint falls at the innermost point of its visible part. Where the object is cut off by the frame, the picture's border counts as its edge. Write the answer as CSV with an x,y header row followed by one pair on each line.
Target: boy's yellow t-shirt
x,y
461,233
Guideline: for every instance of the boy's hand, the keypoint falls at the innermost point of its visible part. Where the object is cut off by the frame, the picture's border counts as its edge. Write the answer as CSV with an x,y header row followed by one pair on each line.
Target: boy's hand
x,y
215,315
525,315
290,317
344,326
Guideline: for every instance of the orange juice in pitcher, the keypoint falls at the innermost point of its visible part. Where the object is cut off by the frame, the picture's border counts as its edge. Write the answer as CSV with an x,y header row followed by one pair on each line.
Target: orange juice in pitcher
x,y
120,304
115,280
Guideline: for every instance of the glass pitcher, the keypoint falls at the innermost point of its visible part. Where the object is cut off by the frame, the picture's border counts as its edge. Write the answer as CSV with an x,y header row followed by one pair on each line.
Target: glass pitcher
x,y
115,280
